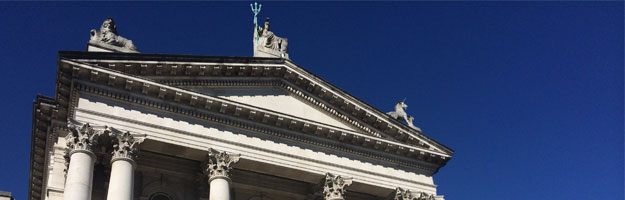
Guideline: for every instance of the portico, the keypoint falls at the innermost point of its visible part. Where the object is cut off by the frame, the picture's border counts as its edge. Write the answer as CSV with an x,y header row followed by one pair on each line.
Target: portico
x,y
128,126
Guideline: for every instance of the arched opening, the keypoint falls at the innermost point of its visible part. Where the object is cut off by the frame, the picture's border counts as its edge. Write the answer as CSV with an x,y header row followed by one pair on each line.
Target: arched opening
x,y
160,196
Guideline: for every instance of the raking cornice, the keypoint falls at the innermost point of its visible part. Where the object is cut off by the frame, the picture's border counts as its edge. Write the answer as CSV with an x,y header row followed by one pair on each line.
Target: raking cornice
x,y
146,87
185,70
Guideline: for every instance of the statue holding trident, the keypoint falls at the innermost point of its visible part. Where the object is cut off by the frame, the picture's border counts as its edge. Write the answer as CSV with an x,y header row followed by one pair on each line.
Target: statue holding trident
x,y
266,43
256,9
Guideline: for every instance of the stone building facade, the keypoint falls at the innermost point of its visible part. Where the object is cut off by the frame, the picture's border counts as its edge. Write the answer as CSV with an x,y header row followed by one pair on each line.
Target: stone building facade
x,y
127,125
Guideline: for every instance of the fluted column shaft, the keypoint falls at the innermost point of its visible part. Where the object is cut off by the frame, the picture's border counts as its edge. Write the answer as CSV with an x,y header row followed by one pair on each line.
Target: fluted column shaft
x,y
80,142
121,184
218,167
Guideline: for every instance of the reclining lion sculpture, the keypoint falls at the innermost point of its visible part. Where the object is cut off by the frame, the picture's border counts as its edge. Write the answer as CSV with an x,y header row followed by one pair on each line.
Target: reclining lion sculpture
x,y
108,38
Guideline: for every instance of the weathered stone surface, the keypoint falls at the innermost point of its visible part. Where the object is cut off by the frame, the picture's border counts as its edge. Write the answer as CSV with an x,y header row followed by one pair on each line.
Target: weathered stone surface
x,y
107,39
81,137
125,145
334,186
403,194
219,164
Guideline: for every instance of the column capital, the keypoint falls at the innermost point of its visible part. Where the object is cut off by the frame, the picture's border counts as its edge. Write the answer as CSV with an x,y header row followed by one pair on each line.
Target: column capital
x,y
219,164
81,138
334,186
402,194
125,145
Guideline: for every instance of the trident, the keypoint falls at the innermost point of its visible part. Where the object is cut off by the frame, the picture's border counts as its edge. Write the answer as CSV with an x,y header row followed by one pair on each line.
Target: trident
x,y
256,9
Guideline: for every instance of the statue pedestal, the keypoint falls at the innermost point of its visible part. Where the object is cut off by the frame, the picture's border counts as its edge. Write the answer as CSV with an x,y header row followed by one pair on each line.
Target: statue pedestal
x,y
103,47
94,48
260,51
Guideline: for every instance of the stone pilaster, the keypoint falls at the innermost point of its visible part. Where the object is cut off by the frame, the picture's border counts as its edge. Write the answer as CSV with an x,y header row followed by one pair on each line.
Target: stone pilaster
x,y
81,141
334,187
402,194
218,169
125,148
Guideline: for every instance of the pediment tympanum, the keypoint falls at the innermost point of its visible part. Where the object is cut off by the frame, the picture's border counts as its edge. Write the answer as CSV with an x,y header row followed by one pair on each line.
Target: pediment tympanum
x,y
274,99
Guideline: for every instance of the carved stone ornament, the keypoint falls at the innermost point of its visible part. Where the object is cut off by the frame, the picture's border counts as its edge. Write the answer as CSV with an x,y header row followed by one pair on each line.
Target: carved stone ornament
x,y
108,39
401,194
125,145
400,114
219,164
81,138
334,186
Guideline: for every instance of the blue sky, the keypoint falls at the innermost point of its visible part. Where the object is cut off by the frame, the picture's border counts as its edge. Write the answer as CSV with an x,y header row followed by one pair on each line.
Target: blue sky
x,y
528,94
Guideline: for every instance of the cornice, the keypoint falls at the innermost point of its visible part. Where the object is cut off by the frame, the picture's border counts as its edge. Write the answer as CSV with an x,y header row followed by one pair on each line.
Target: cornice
x,y
44,113
355,107
84,75
159,66
168,58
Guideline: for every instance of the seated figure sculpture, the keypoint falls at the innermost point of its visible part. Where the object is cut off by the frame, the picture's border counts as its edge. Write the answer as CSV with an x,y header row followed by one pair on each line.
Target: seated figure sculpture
x,y
108,38
268,41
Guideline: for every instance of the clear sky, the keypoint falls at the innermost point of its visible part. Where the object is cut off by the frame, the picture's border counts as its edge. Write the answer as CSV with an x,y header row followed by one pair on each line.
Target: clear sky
x,y
528,94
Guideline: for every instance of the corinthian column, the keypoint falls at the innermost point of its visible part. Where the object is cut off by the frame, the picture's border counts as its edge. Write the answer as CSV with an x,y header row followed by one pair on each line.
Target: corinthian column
x,y
80,141
334,187
125,148
218,168
402,194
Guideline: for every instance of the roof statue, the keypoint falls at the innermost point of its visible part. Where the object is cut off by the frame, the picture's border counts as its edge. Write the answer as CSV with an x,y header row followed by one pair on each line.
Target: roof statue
x,y
266,43
400,113
108,40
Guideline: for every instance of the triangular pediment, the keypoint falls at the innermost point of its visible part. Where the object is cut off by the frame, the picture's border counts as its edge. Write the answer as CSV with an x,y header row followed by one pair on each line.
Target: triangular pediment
x,y
263,85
